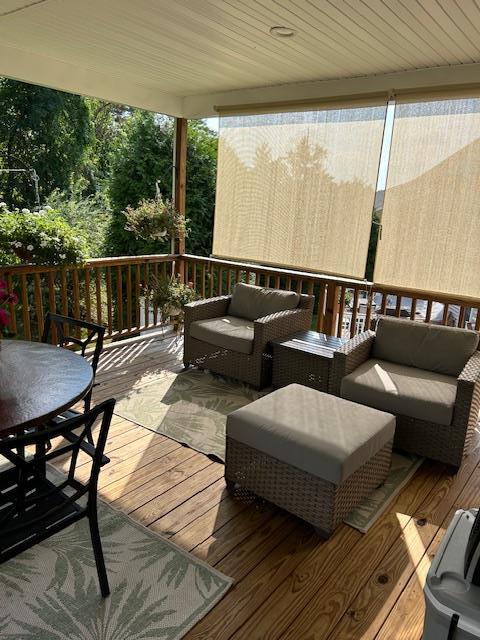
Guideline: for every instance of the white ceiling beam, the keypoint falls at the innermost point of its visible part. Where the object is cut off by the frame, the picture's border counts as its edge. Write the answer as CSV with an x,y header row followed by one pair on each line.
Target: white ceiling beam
x,y
202,106
50,72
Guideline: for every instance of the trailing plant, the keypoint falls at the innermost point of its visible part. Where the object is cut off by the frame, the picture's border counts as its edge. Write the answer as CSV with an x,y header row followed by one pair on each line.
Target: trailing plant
x,y
155,219
42,237
170,295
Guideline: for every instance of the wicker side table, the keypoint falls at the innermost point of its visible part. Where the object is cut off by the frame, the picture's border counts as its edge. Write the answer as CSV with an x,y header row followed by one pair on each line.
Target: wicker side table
x,y
304,358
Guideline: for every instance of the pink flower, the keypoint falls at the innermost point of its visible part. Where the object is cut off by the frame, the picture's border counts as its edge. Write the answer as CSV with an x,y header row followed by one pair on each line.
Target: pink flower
x,y
8,297
4,318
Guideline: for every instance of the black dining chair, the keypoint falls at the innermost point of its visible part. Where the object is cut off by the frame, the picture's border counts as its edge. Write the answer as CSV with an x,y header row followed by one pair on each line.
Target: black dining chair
x,y
34,506
65,338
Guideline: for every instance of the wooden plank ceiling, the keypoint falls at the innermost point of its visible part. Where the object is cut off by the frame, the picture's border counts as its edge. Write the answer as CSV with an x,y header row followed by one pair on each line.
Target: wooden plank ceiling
x,y
202,47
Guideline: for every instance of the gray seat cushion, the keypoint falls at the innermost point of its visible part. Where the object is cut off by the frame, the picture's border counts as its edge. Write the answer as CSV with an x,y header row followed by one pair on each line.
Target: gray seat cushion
x,y
423,345
228,332
313,431
251,302
402,390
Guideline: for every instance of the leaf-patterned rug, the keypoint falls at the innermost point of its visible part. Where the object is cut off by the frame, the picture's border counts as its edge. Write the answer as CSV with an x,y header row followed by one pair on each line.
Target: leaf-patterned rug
x,y
402,469
158,591
190,407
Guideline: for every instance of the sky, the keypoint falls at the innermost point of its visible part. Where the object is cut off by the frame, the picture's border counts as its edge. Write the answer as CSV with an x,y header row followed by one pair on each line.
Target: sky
x,y
212,123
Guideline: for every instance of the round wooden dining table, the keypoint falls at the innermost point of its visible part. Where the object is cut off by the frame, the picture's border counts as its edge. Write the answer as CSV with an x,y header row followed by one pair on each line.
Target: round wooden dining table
x,y
37,382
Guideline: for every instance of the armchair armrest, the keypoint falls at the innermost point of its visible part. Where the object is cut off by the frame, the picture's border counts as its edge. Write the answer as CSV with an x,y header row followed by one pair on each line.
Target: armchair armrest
x,y
203,309
280,324
467,401
350,356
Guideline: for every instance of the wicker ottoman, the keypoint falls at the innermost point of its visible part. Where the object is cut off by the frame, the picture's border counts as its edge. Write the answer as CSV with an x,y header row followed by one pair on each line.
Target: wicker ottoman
x,y
313,454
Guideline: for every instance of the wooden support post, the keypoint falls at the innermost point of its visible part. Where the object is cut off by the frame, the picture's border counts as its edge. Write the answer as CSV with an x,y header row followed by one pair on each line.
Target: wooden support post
x,y
331,310
179,183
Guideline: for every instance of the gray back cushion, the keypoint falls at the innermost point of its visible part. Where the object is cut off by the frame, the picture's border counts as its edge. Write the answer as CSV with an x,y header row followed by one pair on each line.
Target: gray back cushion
x,y
423,345
251,302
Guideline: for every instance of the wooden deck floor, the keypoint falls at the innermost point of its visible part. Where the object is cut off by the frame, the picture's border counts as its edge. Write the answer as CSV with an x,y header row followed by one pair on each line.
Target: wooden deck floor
x,y
288,583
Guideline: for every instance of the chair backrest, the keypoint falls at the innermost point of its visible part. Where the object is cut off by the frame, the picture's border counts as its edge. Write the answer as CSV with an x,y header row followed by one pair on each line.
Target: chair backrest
x,y
252,302
35,500
64,337
424,346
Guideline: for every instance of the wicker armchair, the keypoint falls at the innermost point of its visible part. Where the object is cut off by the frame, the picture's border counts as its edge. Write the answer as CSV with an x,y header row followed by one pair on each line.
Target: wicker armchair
x,y
254,367
446,443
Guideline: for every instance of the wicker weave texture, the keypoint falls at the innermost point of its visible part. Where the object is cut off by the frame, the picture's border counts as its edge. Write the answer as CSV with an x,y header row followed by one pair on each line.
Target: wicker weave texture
x,y
445,443
348,357
319,502
309,369
254,368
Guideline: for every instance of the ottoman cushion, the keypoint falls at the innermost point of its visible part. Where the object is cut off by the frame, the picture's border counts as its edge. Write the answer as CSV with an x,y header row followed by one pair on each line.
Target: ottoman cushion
x,y
321,434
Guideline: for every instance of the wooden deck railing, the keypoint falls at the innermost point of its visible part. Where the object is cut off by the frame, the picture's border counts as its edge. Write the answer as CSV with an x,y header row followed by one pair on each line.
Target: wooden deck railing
x,y
109,291
343,307
211,277
113,292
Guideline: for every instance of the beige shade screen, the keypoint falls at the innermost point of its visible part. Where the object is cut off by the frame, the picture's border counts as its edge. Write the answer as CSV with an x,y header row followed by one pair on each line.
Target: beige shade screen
x,y
430,236
297,189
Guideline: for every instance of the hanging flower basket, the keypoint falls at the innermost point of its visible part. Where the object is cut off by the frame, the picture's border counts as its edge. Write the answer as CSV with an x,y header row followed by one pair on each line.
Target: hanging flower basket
x,y
155,219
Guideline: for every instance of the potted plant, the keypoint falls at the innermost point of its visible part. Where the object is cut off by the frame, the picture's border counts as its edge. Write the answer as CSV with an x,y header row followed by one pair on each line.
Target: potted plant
x,y
155,219
170,295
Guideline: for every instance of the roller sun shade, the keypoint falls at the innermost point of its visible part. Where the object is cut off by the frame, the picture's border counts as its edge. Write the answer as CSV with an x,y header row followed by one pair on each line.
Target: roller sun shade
x,y
297,188
430,238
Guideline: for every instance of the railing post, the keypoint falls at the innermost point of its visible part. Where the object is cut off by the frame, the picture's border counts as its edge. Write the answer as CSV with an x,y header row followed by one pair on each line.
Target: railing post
x,y
179,184
331,310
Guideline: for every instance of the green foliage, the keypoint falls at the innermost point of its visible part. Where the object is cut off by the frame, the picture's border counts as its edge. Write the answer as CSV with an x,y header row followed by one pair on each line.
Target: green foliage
x,y
38,238
170,294
106,120
201,179
89,215
143,159
155,219
43,129
372,245
95,159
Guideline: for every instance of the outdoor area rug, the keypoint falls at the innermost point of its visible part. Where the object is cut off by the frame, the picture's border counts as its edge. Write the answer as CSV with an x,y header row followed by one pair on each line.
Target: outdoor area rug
x,y
402,470
51,592
190,407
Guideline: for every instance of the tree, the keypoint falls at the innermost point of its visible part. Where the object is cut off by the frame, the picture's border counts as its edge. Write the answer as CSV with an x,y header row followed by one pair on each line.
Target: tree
x,y
43,129
107,120
201,180
141,160
93,156
373,243
89,215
